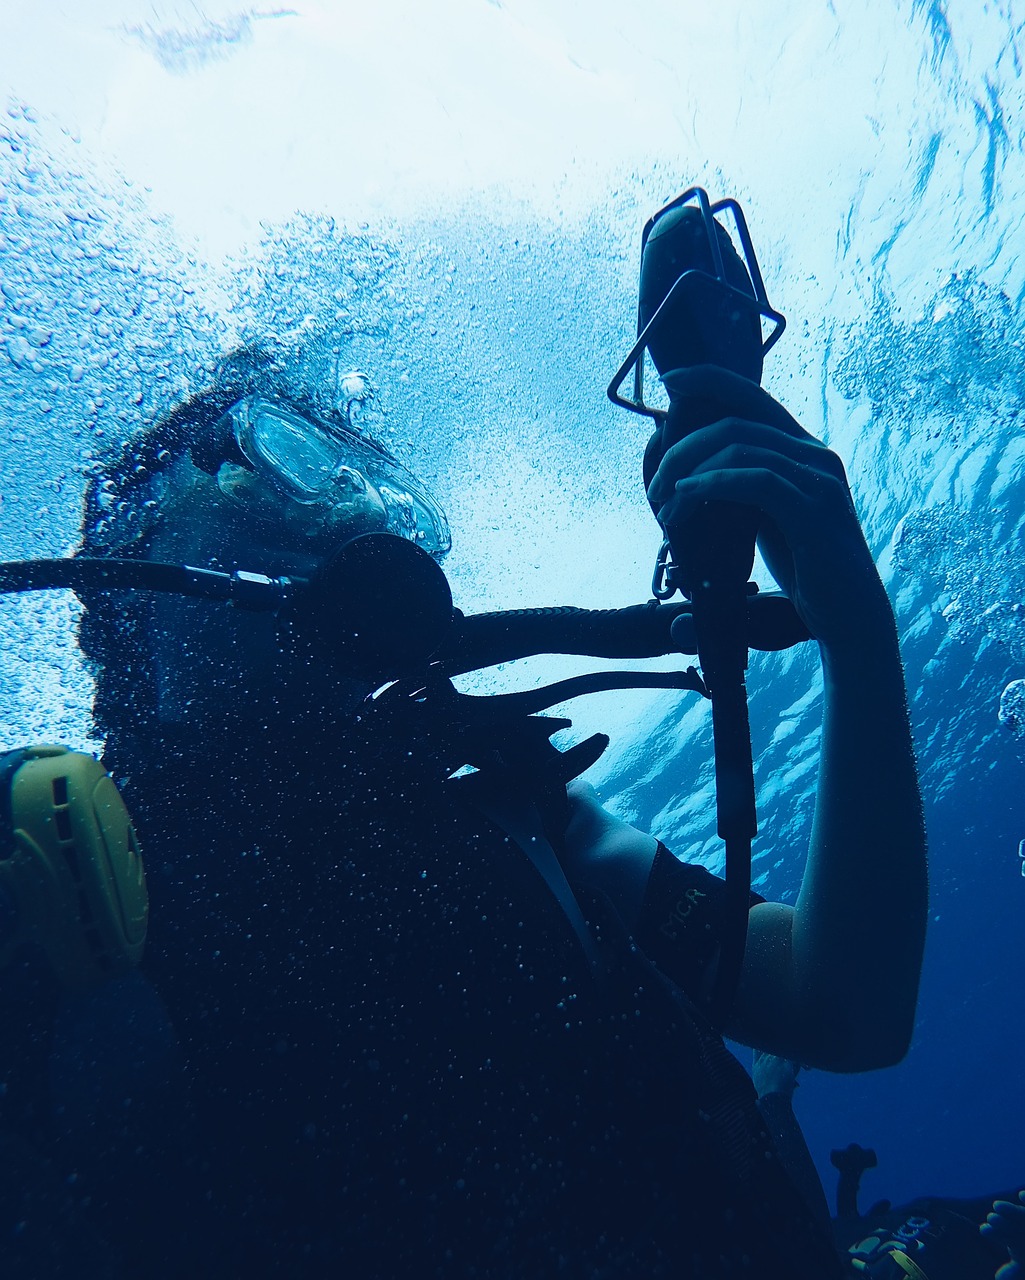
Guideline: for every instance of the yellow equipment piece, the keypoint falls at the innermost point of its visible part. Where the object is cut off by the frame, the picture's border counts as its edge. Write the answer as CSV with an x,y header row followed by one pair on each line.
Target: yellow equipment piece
x,y
71,866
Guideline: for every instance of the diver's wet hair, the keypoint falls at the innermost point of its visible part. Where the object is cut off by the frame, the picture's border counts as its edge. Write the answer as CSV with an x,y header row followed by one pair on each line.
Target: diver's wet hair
x,y
122,502
128,481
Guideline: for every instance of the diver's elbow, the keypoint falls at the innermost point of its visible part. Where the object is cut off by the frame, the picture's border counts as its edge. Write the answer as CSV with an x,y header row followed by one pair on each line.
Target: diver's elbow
x,y
859,1049
880,1056
891,1027
893,1049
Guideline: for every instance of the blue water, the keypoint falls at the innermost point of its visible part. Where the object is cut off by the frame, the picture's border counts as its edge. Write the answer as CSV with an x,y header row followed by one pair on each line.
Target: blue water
x,y
877,149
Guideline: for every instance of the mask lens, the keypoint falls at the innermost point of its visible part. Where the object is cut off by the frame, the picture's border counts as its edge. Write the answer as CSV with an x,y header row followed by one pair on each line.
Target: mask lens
x,y
313,465
302,459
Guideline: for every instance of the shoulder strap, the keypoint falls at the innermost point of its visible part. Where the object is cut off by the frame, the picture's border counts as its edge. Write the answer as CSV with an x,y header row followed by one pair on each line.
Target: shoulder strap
x,y
522,823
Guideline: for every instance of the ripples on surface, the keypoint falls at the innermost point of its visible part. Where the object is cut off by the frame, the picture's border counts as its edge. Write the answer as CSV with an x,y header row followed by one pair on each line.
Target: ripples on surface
x,y
878,154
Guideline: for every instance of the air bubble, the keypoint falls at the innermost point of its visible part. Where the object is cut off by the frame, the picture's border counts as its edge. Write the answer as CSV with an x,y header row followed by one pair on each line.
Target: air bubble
x,y
1012,709
18,350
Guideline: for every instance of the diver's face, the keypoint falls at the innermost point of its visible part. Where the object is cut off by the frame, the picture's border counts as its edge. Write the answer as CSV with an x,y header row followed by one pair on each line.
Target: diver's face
x,y
214,659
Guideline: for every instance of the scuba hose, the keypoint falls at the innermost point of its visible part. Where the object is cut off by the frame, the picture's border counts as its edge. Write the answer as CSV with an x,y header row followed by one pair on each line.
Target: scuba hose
x,y
382,608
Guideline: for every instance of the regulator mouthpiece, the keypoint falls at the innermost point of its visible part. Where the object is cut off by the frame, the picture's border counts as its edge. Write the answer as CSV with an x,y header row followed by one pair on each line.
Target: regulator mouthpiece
x,y
379,609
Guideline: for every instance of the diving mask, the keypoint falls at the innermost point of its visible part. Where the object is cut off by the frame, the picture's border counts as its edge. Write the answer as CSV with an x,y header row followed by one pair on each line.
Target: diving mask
x,y
322,477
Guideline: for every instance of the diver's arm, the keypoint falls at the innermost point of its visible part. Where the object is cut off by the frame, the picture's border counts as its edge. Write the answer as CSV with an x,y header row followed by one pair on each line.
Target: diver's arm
x,y
831,982
835,978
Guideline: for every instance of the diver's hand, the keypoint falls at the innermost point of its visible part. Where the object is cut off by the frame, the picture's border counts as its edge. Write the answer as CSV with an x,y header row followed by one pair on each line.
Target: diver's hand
x,y
605,853
1005,1224
755,453
771,1074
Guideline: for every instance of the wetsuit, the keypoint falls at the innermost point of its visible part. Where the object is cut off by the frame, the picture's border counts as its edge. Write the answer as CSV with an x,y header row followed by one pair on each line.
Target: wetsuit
x,y
403,1062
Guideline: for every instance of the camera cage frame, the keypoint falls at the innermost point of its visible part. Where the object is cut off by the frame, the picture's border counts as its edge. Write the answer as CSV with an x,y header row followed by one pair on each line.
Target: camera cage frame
x,y
758,304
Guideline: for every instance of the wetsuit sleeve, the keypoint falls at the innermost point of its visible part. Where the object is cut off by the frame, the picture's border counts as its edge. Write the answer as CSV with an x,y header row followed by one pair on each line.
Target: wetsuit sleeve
x,y
680,923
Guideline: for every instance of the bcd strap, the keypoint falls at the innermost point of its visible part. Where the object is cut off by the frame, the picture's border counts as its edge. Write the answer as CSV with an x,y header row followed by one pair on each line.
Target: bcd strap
x,y
523,824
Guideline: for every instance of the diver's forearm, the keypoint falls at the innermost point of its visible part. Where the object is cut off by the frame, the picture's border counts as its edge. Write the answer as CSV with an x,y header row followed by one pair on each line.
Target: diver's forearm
x,y
859,926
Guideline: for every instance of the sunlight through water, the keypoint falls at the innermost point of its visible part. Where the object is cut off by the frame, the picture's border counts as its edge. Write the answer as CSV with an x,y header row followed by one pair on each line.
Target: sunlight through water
x,y
451,197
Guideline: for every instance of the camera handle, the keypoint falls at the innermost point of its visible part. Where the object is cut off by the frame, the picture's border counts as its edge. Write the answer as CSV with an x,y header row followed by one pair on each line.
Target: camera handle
x,y
702,302
712,560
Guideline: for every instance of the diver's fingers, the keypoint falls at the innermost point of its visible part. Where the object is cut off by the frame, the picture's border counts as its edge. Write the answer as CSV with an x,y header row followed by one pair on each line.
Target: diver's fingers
x,y
1006,1222
1011,1209
588,817
734,442
583,800
761,447
791,495
707,387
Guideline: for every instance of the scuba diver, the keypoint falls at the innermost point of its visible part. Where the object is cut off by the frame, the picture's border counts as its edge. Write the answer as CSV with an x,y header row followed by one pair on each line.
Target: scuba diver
x,y
441,1014
413,1048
